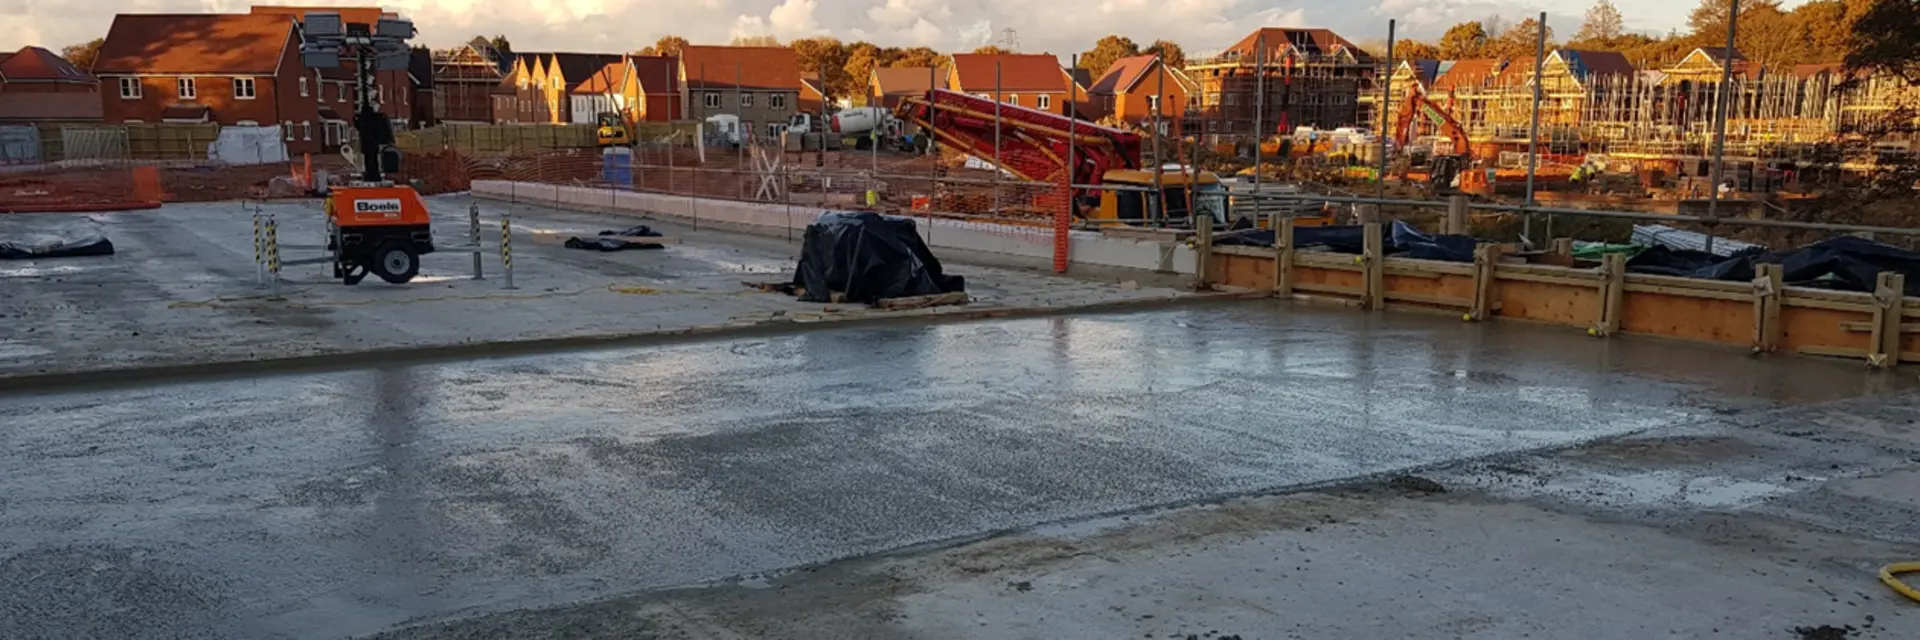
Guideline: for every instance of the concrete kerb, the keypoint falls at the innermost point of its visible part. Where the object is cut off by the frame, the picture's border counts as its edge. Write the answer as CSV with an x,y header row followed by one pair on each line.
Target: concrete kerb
x,y
1085,248
204,371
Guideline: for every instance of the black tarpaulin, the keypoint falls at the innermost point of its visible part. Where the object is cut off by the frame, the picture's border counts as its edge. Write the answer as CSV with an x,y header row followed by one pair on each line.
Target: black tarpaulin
x,y
1846,263
612,240
868,257
79,240
1399,238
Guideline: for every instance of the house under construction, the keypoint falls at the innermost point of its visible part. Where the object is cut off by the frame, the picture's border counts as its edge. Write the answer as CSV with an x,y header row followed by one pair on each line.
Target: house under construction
x,y
1276,79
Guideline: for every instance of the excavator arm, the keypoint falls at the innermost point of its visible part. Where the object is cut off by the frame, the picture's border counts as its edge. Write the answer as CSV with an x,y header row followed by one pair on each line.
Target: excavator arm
x,y
1417,105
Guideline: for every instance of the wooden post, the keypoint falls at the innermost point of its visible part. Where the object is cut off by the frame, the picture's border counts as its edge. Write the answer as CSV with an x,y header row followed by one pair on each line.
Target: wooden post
x,y
1283,259
1889,299
1366,213
1373,258
1456,215
1768,287
1203,251
1613,293
1486,258
1562,247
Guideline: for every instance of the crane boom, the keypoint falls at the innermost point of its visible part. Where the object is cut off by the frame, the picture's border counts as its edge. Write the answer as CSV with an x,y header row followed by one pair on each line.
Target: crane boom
x,y
1033,144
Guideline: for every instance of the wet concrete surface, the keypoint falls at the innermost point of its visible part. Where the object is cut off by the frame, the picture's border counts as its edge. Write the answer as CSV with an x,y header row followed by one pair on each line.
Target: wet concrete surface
x,y
181,289
338,503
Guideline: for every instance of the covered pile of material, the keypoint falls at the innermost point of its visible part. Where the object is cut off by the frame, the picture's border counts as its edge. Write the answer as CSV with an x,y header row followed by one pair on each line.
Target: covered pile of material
x,y
617,240
866,257
77,239
1399,238
1845,263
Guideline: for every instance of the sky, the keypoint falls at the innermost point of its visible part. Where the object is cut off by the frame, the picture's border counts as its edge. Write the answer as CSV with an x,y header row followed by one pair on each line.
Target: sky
x,y
1199,26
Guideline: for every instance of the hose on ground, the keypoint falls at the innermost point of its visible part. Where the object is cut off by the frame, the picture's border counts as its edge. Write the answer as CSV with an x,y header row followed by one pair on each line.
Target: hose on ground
x,y
1889,574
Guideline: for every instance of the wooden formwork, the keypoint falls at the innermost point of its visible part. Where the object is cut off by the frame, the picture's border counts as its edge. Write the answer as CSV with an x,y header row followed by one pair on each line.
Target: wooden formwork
x,y
1882,327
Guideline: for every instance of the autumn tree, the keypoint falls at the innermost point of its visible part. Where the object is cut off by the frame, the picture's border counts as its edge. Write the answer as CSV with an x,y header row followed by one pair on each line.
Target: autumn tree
x,y
1169,52
1105,52
82,55
1709,20
1519,41
667,46
1464,40
1824,27
991,50
501,44
919,57
1603,25
1887,36
1415,50
828,57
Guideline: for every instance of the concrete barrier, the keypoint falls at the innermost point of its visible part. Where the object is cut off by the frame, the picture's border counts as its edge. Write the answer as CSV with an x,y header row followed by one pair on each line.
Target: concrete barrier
x,y
1084,247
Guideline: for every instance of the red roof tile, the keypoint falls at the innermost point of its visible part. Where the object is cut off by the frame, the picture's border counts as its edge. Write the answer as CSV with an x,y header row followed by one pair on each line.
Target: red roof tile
x,y
1017,72
23,106
898,82
244,44
1465,74
746,67
1811,70
1516,72
349,15
1121,76
34,64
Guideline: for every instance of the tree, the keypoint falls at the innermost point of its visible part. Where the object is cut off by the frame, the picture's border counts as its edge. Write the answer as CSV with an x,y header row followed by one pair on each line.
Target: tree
x,y
1519,41
754,41
1105,52
991,50
1709,20
1825,26
1887,36
1415,50
82,55
1169,52
667,46
919,57
501,45
1603,25
1464,40
828,57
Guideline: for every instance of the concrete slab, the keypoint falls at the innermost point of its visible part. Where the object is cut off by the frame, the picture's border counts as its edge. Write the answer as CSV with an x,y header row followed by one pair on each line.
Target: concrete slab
x,y
181,290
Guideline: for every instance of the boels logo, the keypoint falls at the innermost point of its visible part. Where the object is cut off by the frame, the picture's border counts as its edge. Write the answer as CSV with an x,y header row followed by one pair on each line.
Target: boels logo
x,y
388,207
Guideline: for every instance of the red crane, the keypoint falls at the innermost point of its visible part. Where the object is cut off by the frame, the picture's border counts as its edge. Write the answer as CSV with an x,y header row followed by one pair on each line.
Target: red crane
x,y
1033,144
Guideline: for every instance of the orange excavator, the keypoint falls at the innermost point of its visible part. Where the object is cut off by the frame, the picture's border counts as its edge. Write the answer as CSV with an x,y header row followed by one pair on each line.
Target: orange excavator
x,y
1444,167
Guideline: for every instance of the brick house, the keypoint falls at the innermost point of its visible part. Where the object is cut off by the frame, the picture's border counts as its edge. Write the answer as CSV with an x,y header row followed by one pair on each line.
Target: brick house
x,y
887,85
760,85
38,86
1310,77
1033,80
642,88
393,91
1135,87
236,70
425,94
567,73
464,80
521,96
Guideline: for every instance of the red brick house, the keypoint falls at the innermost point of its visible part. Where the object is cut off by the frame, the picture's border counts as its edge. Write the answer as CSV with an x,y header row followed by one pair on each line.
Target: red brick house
x,y
643,88
464,80
393,90
521,96
236,70
1134,87
38,86
1033,80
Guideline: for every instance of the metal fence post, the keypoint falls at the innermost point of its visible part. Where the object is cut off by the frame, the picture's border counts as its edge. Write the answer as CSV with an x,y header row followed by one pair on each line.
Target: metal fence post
x,y
273,256
506,248
473,236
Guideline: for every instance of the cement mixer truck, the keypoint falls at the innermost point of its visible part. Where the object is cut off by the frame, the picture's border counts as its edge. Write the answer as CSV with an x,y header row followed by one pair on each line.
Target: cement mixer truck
x,y
859,123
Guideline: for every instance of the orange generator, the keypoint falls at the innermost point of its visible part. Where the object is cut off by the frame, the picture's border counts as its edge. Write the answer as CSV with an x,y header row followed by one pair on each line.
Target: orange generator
x,y
378,229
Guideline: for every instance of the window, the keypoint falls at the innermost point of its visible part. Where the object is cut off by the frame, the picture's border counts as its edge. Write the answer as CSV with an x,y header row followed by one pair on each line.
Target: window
x,y
246,123
777,100
746,100
523,82
187,89
1013,99
746,130
556,84
243,89
713,100
303,86
773,130
288,127
342,86
1153,103
1044,102
306,130
129,88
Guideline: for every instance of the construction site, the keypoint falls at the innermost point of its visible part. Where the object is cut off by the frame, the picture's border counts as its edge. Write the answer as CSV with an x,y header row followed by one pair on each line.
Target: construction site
x,y
1307,326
